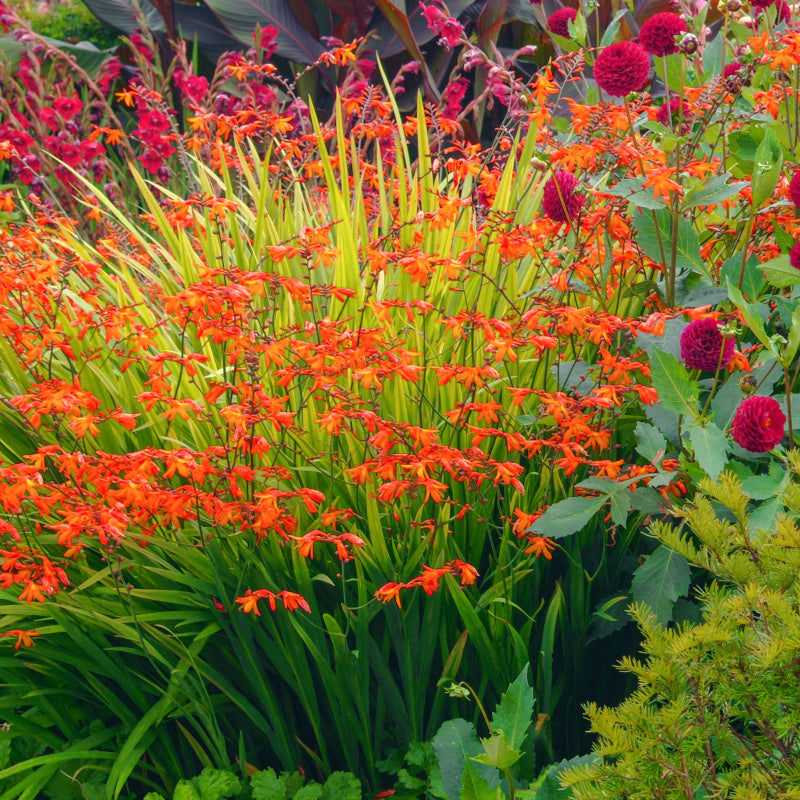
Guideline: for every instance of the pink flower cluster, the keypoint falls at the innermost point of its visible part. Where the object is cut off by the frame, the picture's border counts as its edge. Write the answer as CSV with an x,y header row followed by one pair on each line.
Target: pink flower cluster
x,y
448,28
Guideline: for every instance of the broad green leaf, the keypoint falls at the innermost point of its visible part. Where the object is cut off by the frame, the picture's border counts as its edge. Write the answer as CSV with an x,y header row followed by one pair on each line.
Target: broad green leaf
x,y
567,516
672,66
750,316
498,754
341,786
763,487
710,446
677,392
779,272
655,239
215,784
455,743
660,581
610,33
793,340
266,785
752,280
474,785
311,791
711,191
609,618
632,189
185,790
763,519
766,171
549,787
513,713
650,442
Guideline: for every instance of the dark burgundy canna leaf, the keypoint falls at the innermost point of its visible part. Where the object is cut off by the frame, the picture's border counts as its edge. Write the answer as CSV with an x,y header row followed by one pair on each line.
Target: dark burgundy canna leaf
x,y
240,17
121,14
399,25
360,11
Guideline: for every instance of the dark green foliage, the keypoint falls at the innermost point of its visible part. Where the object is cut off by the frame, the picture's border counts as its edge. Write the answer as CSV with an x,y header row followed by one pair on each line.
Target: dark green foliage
x,y
717,710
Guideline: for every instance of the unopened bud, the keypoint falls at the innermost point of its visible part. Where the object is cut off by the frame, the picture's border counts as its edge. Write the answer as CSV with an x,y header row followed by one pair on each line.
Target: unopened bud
x,y
537,163
748,384
733,5
689,44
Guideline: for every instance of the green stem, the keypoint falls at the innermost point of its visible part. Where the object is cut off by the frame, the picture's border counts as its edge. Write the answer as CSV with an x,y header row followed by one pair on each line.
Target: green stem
x,y
788,389
748,232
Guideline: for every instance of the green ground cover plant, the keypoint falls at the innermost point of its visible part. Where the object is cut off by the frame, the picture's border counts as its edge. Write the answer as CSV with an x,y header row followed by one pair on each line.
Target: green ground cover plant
x,y
307,416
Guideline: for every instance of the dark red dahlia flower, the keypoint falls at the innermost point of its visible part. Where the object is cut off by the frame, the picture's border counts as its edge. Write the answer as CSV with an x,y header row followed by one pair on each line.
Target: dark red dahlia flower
x,y
621,68
794,256
758,424
657,35
559,201
794,188
702,343
558,22
735,75
671,112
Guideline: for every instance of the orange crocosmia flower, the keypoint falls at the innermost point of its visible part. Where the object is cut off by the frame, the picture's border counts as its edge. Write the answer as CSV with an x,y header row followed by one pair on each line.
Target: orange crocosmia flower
x,y
434,490
508,473
389,592
127,97
32,592
306,547
523,521
24,638
541,546
429,580
293,601
518,395
466,572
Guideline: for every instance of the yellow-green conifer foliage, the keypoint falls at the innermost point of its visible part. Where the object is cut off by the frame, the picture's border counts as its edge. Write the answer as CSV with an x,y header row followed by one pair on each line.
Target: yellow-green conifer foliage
x,y
717,710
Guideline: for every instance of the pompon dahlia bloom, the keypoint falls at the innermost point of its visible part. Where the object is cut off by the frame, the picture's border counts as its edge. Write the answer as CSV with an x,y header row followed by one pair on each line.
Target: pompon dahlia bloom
x,y
735,75
794,188
758,424
702,343
559,201
622,68
658,33
558,22
670,112
794,256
